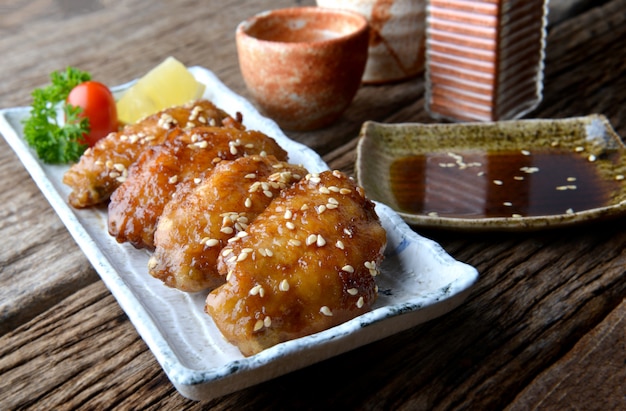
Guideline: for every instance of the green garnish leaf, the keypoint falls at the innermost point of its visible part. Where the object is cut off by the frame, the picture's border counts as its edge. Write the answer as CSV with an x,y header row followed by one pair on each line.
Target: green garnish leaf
x,y
53,142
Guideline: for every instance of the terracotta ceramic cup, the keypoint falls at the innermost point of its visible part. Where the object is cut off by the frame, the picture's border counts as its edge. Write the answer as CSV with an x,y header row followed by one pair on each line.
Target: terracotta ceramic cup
x,y
397,36
303,65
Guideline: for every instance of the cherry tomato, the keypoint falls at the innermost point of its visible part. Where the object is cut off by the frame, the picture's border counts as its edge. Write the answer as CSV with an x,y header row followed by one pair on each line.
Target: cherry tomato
x,y
98,106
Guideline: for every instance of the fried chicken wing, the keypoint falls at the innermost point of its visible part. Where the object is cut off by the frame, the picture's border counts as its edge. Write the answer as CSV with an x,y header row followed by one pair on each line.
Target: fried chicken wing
x,y
307,263
186,154
102,168
202,217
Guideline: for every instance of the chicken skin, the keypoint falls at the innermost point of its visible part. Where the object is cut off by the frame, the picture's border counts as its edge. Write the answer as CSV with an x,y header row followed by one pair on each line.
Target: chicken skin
x,y
186,155
102,168
203,217
305,264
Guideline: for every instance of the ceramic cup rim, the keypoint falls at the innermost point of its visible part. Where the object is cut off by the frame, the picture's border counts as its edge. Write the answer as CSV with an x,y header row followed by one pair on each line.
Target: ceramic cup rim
x,y
245,27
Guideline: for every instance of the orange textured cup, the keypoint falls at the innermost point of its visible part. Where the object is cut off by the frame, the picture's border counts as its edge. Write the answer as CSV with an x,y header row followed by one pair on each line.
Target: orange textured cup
x,y
303,65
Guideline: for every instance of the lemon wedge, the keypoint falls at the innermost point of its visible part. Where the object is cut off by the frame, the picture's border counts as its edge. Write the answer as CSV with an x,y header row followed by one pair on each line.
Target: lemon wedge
x,y
168,84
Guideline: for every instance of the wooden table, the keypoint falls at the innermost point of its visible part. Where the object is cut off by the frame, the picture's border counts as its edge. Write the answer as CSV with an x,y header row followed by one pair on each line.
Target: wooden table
x,y
545,327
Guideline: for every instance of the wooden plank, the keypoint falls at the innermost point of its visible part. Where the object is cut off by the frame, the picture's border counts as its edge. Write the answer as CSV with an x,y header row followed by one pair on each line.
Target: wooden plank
x,y
593,372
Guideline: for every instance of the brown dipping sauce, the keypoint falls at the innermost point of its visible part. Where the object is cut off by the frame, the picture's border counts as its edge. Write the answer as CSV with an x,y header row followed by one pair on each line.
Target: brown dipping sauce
x,y
481,184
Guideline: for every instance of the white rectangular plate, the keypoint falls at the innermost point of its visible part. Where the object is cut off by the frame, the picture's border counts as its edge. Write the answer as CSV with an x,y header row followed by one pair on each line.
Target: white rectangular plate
x,y
419,280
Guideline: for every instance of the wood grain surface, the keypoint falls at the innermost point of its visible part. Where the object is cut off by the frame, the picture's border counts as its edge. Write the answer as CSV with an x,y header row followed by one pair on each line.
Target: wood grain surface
x,y
544,327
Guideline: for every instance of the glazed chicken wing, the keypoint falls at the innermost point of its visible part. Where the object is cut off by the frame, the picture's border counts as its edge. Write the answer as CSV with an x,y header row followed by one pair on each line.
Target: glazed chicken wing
x,y
186,155
102,168
202,217
307,263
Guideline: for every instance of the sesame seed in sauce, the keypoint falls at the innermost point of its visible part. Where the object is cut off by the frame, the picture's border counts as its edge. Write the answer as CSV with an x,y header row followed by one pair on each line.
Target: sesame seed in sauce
x,y
290,225
360,302
347,268
226,251
592,158
173,179
353,291
242,256
267,322
248,203
288,215
227,230
498,182
250,176
339,244
326,311
294,242
284,285
345,191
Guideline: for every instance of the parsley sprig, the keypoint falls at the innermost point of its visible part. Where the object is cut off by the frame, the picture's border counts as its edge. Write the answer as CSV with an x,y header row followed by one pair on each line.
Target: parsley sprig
x,y
54,142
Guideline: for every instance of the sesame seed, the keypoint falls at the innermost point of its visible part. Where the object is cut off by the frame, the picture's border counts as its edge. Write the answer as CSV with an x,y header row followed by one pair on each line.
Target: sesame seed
x,y
569,211
304,207
320,209
347,232
507,203
347,268
516,215
339,244
173,179
284,285
526,152
498,182
360,302
332,201
251,175
324,190
227,230
433,214
290,225
197,180
267,322
619,177
311,239
257,290
579,149
288,214
334,189
353,291
258,325
211,242
326,311
242,256
268,193
320,241
592,158
226,251
294,242
229,275
345,191
248,203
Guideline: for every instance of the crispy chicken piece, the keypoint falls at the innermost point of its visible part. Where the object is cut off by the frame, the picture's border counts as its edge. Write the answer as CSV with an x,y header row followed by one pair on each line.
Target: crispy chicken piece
x,y
308,263
186,154
203,217
102,168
